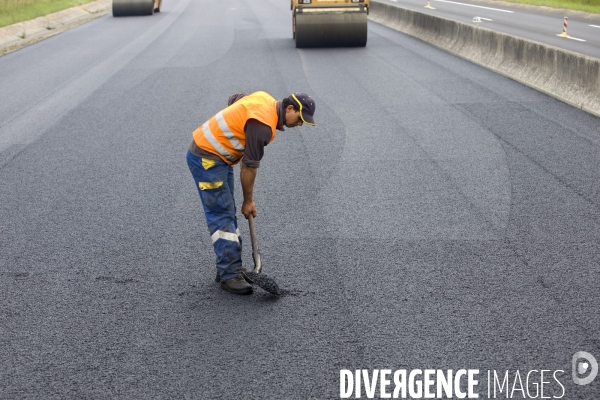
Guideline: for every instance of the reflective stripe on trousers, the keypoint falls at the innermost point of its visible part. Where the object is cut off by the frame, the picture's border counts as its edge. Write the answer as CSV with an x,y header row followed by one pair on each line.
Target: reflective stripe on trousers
x,y
214,181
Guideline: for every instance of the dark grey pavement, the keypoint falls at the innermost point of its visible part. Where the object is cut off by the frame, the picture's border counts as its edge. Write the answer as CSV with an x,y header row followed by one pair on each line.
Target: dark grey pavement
x,y
438,216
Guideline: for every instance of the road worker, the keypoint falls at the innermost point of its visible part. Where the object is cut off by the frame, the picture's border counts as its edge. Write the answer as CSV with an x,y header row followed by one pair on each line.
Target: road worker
x,y
238,133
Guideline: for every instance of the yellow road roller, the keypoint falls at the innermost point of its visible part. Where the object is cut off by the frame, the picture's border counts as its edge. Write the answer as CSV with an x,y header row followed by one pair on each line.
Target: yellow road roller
x,y
330,23
123,8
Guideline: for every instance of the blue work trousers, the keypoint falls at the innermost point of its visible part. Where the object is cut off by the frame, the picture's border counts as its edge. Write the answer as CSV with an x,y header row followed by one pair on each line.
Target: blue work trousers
x,y
214,181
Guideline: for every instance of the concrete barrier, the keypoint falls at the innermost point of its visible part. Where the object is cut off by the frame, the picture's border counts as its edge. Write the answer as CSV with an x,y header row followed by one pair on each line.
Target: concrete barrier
x,y
571,77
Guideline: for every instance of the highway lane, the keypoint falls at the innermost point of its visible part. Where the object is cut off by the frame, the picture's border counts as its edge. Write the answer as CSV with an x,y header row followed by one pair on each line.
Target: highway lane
x,y
438,216
541,24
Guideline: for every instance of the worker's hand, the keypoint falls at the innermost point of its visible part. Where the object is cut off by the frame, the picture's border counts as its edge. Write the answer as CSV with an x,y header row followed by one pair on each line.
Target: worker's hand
x,y
248,208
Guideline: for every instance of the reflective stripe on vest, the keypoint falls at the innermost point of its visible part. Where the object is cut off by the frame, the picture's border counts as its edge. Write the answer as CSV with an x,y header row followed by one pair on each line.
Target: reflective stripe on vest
x,y
210,137
224,134
227,132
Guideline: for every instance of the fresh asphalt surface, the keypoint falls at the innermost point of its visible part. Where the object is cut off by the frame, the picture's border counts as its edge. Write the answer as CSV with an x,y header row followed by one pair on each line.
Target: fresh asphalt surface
x,y
541,24
438,216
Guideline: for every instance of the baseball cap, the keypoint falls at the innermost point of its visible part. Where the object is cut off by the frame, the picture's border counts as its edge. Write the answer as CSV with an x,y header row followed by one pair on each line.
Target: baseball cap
x,y
307,107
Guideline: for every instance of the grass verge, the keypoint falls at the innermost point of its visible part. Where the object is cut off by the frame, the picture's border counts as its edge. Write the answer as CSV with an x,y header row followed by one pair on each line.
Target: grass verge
x,y
13,11
591,6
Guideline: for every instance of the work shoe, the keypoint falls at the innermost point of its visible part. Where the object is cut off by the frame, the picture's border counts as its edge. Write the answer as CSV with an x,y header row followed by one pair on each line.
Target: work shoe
x,y
237,285
242,270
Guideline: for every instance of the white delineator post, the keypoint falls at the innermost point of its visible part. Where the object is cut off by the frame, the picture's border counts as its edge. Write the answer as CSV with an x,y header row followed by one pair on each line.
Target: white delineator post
x,y
564,32
429,5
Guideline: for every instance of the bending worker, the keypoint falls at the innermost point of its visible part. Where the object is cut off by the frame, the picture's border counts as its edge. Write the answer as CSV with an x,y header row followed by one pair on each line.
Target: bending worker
x,y
239,132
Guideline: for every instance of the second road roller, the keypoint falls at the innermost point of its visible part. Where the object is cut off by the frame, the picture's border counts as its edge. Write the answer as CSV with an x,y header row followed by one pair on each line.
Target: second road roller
x,y
123,8
330,23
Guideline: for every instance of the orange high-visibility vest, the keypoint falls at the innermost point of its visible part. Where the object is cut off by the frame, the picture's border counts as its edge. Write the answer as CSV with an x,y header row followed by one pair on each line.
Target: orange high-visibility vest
x,y
223,134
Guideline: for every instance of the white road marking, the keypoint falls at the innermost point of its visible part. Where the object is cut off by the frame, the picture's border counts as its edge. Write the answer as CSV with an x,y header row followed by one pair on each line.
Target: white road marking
x,y
486,19
595,26
569,37
471,5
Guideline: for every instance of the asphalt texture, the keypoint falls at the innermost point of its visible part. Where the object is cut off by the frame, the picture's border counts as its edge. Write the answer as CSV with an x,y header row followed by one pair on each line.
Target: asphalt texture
x,y
438,216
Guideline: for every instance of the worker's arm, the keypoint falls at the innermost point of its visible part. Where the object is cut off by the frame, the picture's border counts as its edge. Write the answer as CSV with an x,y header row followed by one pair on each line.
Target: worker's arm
x,y
258,136
247,176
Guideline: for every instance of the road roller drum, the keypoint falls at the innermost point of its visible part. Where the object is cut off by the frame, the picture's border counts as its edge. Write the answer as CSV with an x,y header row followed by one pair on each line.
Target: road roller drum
x,y
122,8
330,23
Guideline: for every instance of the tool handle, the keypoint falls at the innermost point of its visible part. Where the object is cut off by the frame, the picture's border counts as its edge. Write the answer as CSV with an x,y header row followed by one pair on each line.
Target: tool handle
x,y
254,240
253,237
